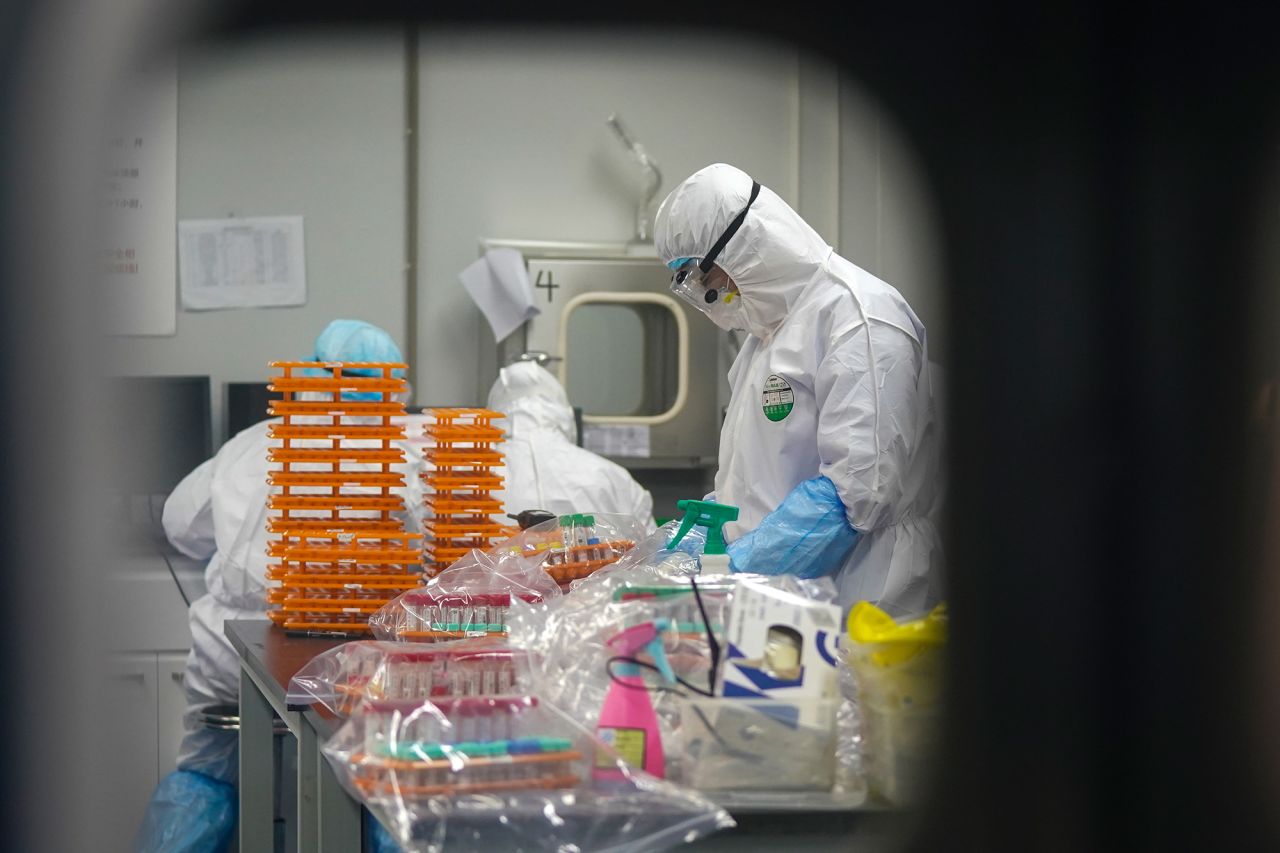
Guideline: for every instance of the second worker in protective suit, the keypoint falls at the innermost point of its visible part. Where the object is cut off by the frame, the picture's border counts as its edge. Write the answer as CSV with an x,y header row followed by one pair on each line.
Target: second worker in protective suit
x,y
830,442
545,469
219,512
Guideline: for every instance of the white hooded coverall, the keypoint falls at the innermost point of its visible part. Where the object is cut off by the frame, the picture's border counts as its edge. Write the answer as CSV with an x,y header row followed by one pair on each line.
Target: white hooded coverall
x,y
833,380
219,512
545,469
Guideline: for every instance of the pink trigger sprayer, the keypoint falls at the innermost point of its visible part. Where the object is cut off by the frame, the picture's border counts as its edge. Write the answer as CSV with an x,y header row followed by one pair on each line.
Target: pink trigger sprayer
x,y
628,722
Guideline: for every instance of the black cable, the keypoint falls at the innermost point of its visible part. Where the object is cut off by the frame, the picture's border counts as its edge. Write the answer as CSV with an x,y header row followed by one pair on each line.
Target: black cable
x,y
650,688
727,747
710,693
713,646
712,643
705,265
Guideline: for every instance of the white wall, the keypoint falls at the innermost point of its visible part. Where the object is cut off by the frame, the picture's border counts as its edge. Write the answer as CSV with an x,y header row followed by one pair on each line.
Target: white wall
x,y
513,144
888,224
280,127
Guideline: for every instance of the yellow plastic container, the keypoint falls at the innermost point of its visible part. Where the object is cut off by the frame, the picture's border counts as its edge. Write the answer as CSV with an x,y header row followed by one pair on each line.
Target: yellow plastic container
x,y
898,670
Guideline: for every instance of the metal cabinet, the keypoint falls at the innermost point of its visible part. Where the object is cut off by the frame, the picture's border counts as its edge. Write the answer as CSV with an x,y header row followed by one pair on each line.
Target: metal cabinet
x,y
171,703
143,693
129,719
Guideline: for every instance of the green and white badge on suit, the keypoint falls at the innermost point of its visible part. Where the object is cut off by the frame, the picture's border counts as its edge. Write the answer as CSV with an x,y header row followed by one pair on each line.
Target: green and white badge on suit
x,y
833,380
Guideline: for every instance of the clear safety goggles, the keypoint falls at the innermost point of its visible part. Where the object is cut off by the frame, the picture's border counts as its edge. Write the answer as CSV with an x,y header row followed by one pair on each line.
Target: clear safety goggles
x,y
691,284
691,277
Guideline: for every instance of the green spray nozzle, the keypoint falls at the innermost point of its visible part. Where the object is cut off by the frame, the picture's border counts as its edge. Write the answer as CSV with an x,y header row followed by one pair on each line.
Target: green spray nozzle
x,y
706,514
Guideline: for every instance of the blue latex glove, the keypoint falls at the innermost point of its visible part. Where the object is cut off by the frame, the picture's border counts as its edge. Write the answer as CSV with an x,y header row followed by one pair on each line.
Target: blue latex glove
x,y
807,536
188,813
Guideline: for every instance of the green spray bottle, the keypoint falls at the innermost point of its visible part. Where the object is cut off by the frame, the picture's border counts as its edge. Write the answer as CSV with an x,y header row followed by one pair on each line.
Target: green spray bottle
x,y
713,517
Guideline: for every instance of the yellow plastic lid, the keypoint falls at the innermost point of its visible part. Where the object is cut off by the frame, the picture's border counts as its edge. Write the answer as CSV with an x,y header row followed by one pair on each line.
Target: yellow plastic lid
x,y
868,625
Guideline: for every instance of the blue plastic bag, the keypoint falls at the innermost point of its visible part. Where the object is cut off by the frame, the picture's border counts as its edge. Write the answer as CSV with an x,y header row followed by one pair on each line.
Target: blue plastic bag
x,y
188,813
807,536
377,838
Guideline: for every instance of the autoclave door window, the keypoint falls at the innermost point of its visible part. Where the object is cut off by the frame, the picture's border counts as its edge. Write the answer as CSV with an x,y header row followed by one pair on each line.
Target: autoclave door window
x,y
625,357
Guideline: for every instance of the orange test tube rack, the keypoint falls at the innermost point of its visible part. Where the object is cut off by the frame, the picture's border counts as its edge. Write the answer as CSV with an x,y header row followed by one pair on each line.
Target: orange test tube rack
x,y
463,463
338,551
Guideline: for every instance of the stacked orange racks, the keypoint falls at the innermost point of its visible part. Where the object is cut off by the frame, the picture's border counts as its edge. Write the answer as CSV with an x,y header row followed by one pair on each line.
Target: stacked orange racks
x,y
460,482
341,552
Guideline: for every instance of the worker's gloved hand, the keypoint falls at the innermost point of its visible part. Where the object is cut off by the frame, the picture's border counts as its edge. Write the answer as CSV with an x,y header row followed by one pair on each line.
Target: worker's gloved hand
x,y
807,536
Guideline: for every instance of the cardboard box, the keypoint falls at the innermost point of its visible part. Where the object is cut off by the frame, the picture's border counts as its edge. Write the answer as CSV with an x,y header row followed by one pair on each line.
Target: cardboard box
x,y
781,646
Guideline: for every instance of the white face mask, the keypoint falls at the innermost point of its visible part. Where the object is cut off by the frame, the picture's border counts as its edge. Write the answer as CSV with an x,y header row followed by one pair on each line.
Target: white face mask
x,y
728,314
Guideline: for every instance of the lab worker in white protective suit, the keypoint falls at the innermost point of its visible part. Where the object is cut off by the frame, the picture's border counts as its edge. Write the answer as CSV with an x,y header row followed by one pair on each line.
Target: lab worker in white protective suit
x,y
219,512
830,442
545,469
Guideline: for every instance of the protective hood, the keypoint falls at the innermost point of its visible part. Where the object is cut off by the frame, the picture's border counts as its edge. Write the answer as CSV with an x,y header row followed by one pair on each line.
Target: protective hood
x,y
532,400
356,340
772,257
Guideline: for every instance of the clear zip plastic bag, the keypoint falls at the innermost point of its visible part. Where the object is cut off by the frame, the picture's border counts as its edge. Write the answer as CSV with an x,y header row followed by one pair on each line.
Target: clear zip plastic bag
x,y
509,773
473,596
572,547
734,748
343,677
897,676
469,599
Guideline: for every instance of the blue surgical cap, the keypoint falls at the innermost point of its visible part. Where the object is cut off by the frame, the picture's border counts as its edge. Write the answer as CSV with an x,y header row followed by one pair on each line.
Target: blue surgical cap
x,y
356,340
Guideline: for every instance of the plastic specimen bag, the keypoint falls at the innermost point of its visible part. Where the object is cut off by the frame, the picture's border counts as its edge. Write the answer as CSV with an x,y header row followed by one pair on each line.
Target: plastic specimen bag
x,y
188,812
897,672
341,678
469,599
573,547
509,773
473,596
779,748
791,749
430,615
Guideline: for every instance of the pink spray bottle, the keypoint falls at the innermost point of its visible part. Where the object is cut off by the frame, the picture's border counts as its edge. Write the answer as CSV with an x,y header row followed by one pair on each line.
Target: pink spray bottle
x,y
628,722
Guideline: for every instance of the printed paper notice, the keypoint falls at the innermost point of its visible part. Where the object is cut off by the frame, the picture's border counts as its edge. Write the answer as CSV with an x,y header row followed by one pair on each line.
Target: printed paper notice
x,y
139,198
255,262
499,285
616,439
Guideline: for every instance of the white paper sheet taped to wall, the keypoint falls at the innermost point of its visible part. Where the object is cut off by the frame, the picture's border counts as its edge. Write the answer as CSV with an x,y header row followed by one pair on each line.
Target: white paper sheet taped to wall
x,y
616,439
499,285
254,262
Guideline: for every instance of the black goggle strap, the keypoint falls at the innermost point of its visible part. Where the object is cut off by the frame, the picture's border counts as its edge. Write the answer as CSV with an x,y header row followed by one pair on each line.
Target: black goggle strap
x,y
711,256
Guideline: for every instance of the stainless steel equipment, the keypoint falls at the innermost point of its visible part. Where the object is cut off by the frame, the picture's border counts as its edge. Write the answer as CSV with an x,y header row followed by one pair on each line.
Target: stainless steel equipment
x,y
641,364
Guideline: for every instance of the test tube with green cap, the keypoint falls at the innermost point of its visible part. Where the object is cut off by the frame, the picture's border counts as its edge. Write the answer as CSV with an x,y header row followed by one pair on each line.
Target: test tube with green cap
x,y
566,542
578,537
589,534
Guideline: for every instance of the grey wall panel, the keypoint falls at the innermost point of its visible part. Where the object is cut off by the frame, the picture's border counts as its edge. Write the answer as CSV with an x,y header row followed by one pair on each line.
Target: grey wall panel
x,y
514,145
888,225
308,126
